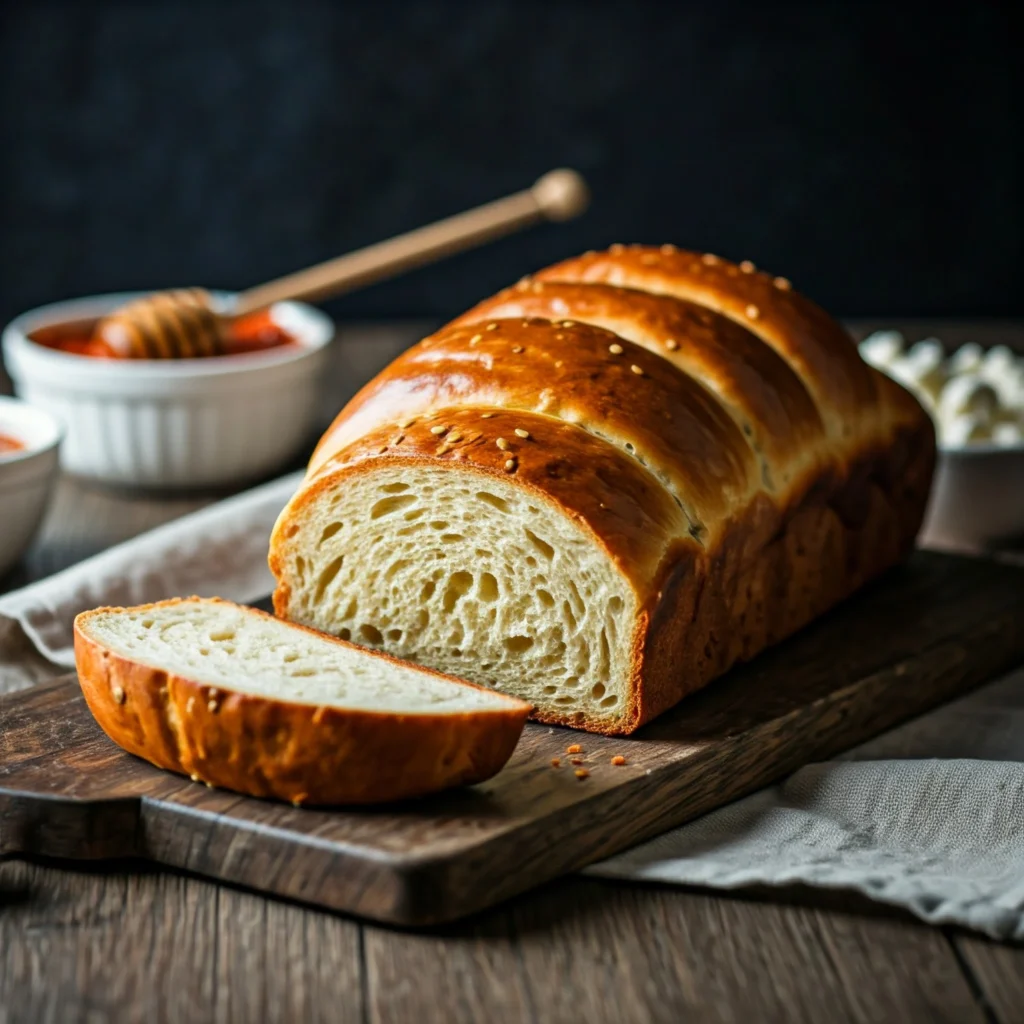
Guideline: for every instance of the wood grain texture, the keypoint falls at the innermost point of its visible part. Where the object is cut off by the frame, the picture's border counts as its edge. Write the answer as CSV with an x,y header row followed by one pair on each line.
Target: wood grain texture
x,y
997,973
681,955
103,945
66,791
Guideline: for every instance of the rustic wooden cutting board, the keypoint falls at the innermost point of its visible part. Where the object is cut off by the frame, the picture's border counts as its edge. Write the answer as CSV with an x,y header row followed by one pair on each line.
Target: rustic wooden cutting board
x,y
930,630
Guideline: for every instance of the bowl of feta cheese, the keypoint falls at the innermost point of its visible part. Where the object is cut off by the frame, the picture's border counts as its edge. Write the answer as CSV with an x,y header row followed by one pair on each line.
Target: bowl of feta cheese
x,y
976,397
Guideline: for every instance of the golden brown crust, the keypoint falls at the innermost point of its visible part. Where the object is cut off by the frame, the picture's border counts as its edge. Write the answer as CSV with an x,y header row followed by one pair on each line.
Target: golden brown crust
x,y
611,387
801,332
302,753
727,606
770,401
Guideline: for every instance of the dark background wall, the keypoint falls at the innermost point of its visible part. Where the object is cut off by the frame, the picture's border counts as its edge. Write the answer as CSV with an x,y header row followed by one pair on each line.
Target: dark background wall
x,y
873,153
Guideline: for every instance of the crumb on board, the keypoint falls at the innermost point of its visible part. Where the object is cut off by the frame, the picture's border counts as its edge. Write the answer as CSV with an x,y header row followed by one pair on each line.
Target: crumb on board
x,y
574,748
581,773
556,762
618,759
576,760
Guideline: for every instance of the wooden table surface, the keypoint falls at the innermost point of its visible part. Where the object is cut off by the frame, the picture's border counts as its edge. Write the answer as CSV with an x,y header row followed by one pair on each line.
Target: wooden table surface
x,y
125,942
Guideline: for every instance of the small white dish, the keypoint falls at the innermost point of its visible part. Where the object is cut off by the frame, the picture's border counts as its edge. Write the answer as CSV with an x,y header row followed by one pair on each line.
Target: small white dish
x,y
26,475
173,423
977,498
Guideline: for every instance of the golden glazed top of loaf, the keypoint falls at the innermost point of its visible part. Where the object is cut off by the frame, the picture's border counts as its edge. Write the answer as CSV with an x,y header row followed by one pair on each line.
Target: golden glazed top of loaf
x,y
816,346
755,384
719,379
612,388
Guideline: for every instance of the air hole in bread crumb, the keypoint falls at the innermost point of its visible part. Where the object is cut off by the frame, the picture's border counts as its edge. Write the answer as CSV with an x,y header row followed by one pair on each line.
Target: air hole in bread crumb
x,y
345,633
569,617
610,701
615,605
394,488
518,644
394,634
291,656
204,651
371,634
397,567
545,599
492,499
300,672
329,531
541,545
388,506
326,577
439,524
451,538
413,514
488,587
223,634
550,690
458,584
597,691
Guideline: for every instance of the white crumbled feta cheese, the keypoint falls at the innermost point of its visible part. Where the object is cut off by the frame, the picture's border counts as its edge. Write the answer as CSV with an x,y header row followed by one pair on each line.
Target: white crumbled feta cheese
x,y
1008,434
963,429
966,359
972,395
881,348
997,361
967,393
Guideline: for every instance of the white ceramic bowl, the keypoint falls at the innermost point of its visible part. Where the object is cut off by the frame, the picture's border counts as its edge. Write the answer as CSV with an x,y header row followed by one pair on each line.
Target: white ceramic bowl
x,y
977,498
173,422
26,476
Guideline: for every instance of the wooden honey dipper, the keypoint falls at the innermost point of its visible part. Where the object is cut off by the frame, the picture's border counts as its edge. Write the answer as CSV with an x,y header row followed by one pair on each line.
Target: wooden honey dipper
x,y
184,323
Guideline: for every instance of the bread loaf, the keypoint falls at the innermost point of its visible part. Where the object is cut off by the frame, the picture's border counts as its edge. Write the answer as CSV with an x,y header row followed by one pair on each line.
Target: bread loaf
x,y
238,699
602,487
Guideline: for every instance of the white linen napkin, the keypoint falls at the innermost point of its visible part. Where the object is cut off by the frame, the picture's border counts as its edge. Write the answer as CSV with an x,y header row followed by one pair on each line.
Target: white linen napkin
x,y
219,551
928,817
938,832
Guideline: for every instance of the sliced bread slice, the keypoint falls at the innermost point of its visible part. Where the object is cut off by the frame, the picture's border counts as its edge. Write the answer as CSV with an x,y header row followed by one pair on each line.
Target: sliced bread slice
x,y
239,699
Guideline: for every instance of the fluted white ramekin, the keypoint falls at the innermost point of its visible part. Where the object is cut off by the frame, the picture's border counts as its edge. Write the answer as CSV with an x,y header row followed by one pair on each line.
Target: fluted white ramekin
x,y
173,423
26,476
